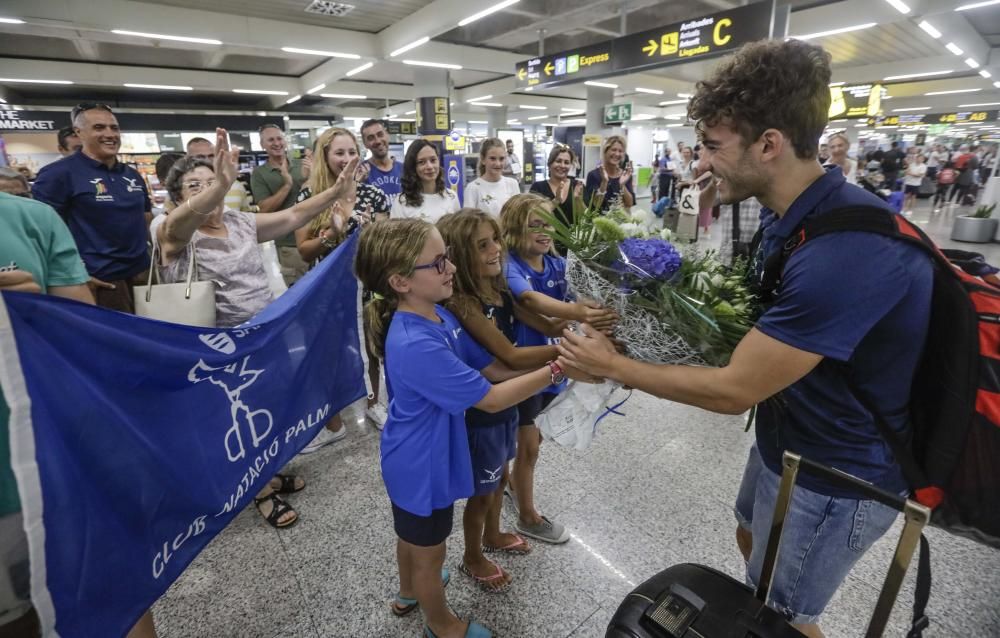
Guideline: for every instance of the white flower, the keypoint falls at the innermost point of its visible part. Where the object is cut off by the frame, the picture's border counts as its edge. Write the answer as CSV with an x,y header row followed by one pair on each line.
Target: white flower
x,y
717,280
630,229
642,217
666,234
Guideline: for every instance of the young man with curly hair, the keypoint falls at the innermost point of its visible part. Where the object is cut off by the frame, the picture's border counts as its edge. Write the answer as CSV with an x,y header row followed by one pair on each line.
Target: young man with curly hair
x,y
851,309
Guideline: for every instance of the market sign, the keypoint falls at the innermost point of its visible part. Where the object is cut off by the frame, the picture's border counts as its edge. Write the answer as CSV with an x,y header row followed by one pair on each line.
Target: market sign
x,y
857,101
917,119
30,121
676,43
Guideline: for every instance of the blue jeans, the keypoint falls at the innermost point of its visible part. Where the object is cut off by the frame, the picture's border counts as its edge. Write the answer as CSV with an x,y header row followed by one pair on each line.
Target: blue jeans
x,y
823,538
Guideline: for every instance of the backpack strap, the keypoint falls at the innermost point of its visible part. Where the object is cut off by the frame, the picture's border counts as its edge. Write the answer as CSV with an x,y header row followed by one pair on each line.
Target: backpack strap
x,y
854,218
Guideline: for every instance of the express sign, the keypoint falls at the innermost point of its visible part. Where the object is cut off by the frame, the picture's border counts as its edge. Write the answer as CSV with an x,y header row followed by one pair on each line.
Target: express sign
x,y
701,37
917,119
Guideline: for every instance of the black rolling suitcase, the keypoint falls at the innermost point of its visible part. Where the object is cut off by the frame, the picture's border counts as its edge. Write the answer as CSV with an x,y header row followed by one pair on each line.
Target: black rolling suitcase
x,y
694,601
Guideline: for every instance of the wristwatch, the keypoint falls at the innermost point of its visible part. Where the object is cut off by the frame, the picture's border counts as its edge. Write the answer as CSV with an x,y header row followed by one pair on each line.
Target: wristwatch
x,y
558,376
327,243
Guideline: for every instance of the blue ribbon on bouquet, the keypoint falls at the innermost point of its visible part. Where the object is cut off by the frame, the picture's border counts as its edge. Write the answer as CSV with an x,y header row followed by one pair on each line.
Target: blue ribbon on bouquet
x,y
613,410
134,442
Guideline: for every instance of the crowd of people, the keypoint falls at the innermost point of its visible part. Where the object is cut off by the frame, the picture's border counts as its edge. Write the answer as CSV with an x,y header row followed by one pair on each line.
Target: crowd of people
x,y
466,307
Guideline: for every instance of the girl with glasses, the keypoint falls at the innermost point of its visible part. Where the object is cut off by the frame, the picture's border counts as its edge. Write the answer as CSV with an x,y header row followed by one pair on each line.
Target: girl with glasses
x,y
536,275
434,372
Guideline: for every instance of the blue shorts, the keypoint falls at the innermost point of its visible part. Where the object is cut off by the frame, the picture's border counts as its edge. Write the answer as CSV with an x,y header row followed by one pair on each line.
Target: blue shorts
x,y
424,531
822,538
491,446
529,409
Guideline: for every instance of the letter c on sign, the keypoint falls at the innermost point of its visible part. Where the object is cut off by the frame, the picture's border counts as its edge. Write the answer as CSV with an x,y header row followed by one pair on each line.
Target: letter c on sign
x,y
720,39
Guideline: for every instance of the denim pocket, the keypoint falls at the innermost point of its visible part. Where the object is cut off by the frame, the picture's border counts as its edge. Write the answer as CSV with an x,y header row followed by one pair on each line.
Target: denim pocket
x,y
857,541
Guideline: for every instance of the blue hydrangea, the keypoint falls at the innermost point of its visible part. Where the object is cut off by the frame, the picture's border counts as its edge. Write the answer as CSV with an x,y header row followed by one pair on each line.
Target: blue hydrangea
x,y
652,257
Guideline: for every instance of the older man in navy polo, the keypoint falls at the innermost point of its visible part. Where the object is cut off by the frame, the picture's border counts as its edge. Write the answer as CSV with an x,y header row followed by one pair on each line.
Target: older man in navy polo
x,y
106,205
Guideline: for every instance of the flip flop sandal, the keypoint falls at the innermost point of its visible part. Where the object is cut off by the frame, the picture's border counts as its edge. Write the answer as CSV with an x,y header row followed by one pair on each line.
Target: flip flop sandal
x,y
519,547
287,484
402,606
484,582
278,508
475,630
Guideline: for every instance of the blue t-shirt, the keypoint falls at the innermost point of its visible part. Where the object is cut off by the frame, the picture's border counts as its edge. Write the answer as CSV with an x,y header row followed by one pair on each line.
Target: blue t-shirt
x,y
863,302
105,210
551,281
502,318
388,181
432,376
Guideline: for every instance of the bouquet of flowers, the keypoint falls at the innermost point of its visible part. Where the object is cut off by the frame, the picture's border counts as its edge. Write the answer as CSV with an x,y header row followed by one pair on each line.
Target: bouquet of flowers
x,y
677,305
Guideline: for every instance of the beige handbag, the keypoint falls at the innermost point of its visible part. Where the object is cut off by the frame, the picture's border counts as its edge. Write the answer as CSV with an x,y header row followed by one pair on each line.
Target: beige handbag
x,y
190,303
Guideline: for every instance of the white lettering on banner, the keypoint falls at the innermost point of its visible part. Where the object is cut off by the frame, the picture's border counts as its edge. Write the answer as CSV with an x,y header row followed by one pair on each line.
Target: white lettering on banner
x,y
308,423
163,556
233,379
254,470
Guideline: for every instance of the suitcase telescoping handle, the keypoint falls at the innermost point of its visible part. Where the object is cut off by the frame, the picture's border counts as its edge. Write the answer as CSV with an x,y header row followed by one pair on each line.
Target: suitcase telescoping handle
x,y
915,517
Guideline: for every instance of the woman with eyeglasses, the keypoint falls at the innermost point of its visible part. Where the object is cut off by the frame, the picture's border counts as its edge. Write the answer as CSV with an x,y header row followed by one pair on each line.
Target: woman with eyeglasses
x,y
424,195
225,242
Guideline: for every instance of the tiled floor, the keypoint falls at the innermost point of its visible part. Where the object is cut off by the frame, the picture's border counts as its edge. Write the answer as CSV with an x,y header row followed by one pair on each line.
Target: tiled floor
x,y
655,489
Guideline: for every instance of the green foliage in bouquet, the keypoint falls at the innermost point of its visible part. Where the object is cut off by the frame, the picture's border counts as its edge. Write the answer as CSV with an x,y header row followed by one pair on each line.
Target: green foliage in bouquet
x,y
707,304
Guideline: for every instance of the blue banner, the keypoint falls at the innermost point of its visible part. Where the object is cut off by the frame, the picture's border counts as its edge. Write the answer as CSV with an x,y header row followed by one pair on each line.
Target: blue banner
x,y
135,442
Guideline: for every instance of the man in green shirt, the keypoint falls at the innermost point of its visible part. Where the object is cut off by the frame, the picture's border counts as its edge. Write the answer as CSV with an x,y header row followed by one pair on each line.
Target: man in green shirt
x,y
37,254
275,185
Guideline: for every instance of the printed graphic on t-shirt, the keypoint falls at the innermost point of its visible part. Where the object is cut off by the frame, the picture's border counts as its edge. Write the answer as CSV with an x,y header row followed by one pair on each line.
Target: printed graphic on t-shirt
x,y
101,190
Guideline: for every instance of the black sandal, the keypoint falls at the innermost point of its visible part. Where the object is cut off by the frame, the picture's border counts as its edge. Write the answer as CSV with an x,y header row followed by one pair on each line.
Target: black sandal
x,y
278,509
287,484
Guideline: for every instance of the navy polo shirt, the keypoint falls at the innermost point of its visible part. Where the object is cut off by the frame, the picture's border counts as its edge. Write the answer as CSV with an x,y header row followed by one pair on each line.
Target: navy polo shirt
x,y
863,302
105,210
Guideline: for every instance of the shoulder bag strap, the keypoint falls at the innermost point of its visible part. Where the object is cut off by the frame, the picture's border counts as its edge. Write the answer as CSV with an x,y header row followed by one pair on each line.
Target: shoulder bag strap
x,y
154,265
192,266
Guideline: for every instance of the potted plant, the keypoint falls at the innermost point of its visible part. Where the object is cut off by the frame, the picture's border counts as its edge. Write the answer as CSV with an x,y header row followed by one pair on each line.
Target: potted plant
x,y
979,227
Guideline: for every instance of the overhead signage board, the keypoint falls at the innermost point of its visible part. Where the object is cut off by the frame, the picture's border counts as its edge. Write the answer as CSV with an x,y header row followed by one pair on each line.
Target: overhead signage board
x,y
918,119
617,113
570,66
701,37
856,102
695,39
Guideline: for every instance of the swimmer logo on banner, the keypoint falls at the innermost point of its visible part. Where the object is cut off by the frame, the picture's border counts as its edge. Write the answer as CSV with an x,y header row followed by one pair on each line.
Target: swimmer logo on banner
x,y
129,462
676,43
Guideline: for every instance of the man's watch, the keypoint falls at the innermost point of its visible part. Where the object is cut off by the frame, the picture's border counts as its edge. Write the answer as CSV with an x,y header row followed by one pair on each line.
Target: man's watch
x,y
558,375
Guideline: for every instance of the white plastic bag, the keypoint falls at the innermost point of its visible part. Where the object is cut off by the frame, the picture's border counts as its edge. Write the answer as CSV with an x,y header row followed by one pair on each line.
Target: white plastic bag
x,y
571,419
272,268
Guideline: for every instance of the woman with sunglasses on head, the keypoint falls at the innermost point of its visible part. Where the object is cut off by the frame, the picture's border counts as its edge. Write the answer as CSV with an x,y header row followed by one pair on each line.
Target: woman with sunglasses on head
x,y
225,244
436,373
565,191
335,149
424,195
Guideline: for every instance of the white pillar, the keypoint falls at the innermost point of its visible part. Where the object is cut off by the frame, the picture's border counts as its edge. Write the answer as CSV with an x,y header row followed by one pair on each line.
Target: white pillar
x,y
597,98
